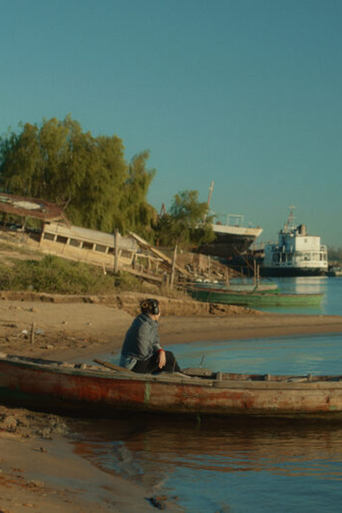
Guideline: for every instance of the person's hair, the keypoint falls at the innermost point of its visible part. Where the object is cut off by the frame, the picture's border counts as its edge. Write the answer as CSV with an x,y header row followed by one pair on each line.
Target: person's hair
x,y
150,306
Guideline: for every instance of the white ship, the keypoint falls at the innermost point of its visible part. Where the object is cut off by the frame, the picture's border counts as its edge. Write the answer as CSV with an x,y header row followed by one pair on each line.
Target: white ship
x,y
296,253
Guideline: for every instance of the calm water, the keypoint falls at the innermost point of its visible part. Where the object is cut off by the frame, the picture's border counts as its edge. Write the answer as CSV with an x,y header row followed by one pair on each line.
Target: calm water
x,y
247,467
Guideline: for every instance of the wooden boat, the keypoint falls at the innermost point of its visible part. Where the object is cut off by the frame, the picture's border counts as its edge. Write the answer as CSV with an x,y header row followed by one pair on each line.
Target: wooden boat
x,y
254,298
84,389
237,287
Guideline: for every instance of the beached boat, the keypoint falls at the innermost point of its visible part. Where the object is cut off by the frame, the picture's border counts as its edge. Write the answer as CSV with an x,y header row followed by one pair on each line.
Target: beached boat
x,y
252,298
84,389
231,238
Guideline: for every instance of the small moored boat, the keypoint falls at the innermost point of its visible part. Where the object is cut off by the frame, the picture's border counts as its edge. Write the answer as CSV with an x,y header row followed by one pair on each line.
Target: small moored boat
x,y
253,298
108,389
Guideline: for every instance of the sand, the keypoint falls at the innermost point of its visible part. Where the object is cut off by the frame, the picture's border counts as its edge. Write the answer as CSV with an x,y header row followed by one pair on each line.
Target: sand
x,y
39,471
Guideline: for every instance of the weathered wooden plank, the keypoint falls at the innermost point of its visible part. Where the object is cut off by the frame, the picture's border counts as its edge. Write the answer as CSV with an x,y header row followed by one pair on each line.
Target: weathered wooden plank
x,y
159,253
113,366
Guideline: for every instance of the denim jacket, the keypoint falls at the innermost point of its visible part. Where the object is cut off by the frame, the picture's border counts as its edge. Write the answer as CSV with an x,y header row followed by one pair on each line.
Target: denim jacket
x,y
141,341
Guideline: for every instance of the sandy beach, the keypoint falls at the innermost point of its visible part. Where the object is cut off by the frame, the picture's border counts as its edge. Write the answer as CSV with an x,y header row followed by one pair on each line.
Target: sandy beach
x,y
39,470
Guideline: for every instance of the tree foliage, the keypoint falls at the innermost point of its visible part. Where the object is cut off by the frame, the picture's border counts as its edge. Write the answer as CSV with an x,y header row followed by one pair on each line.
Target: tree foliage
x,y
187,223
335,254
140,213
88,175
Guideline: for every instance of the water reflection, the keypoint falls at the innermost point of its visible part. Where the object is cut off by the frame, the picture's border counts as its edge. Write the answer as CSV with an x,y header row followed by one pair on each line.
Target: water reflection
x,y
330,287
184,457
305,285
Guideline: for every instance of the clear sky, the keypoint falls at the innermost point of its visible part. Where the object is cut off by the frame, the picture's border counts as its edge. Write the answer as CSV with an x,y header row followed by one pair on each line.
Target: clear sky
x,y
247,93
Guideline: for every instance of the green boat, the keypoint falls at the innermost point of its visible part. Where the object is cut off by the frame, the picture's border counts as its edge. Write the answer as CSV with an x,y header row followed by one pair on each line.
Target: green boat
x,y
255,298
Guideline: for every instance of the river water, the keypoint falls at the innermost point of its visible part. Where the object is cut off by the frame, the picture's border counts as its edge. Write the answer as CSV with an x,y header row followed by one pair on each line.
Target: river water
x,y
238,466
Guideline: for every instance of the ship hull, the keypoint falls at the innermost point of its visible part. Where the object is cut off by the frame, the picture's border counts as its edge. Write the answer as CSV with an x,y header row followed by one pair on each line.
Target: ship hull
x,y
290,272
230,241
227,248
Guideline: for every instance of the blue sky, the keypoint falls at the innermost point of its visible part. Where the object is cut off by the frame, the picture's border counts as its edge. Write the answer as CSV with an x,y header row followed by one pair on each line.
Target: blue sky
x,y
246,93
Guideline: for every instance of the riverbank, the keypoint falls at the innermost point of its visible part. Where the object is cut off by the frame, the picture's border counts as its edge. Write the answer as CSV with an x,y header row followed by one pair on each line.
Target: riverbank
x,y
67,327
39,469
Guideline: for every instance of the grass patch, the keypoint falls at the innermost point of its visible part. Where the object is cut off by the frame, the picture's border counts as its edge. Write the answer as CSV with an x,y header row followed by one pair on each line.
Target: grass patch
x,y
56,275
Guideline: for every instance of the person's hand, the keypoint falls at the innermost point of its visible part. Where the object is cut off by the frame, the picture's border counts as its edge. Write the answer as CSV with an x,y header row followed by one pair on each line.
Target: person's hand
x,y
162,359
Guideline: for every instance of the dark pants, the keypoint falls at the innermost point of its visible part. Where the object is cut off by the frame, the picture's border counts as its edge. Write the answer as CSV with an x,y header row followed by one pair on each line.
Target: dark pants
x,y
151,365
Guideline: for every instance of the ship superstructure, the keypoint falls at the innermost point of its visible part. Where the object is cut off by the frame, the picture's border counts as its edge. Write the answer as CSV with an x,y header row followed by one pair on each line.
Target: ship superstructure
x,y
296,253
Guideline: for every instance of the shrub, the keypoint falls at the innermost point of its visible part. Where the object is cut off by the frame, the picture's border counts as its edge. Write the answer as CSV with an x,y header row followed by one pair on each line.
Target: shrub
x,y
55,275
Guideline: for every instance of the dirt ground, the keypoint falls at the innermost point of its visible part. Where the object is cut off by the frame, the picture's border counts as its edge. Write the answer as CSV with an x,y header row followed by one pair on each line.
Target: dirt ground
x,y
68,327
38,469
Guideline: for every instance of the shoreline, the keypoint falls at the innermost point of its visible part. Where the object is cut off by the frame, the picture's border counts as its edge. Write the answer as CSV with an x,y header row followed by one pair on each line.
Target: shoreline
x,y
39,468
70,329
178,330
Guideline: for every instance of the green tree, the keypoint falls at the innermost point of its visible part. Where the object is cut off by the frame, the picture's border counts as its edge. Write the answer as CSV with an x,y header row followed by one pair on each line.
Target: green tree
x,y
88,176
335,254
140,213
187,224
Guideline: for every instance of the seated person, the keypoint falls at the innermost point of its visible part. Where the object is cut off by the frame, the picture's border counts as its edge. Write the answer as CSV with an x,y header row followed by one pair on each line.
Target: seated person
x,y
141,351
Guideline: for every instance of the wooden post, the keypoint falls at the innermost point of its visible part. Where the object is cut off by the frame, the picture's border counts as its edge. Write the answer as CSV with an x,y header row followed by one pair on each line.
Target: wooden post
x,y
42,235
32,333
116,250
227,276
172,278
254,272
258,275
